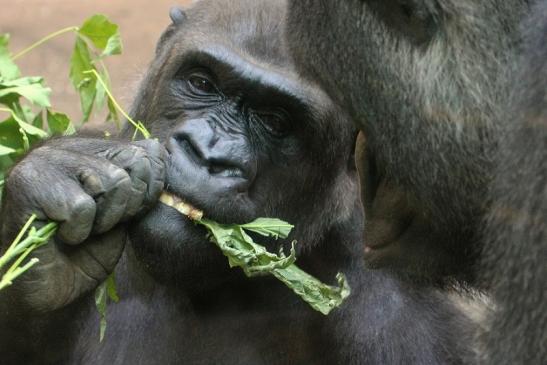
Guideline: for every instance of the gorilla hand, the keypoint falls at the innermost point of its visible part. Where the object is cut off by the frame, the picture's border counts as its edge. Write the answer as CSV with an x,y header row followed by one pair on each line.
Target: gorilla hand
x,y
88,186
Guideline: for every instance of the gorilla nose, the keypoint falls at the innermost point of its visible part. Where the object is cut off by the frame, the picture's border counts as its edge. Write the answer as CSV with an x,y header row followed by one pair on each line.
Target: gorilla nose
x,y
220,154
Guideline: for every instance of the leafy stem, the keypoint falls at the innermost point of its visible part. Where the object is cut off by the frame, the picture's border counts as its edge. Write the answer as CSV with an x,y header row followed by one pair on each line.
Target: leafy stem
x,y
138,125
44,40
20,249
107,76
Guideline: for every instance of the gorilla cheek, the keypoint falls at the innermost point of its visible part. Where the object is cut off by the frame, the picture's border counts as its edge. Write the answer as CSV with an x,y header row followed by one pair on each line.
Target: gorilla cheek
x,y
172,247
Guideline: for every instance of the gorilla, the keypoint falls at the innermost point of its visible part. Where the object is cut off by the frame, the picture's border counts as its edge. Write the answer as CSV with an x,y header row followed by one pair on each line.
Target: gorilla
x,y
515,252
423,80
428,83
239,135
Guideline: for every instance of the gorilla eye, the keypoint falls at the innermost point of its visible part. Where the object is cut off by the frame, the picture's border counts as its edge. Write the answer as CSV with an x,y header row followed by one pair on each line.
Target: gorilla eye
x,y
201,84
277,123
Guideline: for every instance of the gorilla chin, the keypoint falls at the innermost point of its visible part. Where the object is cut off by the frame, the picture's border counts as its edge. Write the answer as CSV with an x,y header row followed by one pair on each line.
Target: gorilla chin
x,y
176,250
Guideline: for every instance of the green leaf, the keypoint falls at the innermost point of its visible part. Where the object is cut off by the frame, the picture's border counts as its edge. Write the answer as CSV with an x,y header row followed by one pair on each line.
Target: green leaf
x,y
24,111
9,127
32,130
10,136
8,69
37,94
111,288
103,34
107,289
114,46
38,121
31,88
70,130
85,85
100,304
58,122
100,97
255,260
21,81
6,150
269,227
112,113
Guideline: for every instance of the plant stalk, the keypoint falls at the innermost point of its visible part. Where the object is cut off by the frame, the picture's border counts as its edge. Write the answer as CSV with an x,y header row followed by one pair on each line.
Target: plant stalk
x,y
44,40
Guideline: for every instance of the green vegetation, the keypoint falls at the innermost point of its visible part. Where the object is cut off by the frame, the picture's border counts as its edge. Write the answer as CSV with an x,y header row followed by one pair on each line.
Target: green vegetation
x,y
31,118
255,260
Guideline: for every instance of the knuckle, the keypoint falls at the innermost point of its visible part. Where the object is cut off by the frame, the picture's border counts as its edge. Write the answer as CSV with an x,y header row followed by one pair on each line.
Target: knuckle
x,y
116,175
21,182
123,182
132,157
149,145
83,204
24,170
154,149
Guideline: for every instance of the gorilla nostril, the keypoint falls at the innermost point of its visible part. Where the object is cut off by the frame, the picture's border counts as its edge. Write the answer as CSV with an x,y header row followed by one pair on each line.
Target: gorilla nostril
x,y
224,159
190,149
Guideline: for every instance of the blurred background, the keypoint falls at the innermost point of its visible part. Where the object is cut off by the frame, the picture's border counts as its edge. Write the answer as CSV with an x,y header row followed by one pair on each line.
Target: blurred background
x,y
141,23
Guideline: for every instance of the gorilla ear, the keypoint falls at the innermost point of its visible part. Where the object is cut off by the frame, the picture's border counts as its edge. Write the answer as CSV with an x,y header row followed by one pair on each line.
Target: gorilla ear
x,y
177,15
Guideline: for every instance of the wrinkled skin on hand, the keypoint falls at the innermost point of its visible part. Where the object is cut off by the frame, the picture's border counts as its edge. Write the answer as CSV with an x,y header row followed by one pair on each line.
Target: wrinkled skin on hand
x,y
91,188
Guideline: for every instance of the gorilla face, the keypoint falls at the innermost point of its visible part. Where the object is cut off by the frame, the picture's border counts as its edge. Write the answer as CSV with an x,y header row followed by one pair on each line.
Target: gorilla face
x,y
246,138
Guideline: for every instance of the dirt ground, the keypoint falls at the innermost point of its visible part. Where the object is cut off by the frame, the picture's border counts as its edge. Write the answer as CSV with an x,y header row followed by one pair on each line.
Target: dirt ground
x,y
141,23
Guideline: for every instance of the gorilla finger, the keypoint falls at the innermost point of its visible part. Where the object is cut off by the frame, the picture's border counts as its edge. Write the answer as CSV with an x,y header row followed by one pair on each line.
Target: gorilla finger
x,y
139,170
112,203
77,227
68,204
155,187
157,157
94,186
34,187
92,182
136,198
99,255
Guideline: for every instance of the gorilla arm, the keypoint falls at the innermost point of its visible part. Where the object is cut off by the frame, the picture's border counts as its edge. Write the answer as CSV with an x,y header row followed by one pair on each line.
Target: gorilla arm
x,y
89,187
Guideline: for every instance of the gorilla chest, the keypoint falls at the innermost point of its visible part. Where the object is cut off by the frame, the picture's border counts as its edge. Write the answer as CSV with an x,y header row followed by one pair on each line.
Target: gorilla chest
x,y
165,331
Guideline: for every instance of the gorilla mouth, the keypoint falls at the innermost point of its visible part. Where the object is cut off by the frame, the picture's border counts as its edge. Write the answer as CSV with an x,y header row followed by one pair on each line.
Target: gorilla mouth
x,y
225,199
183,207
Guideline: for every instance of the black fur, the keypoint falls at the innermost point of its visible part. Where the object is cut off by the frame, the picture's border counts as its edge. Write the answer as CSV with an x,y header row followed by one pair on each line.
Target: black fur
x,y
426,93
430,83
204,97
515,253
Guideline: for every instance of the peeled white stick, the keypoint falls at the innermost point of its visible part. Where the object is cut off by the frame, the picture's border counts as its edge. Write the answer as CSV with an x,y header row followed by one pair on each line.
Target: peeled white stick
x,y
181,206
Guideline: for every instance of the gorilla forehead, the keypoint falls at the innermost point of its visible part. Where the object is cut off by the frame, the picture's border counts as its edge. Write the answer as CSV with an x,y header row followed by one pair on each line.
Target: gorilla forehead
x,y
253,26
